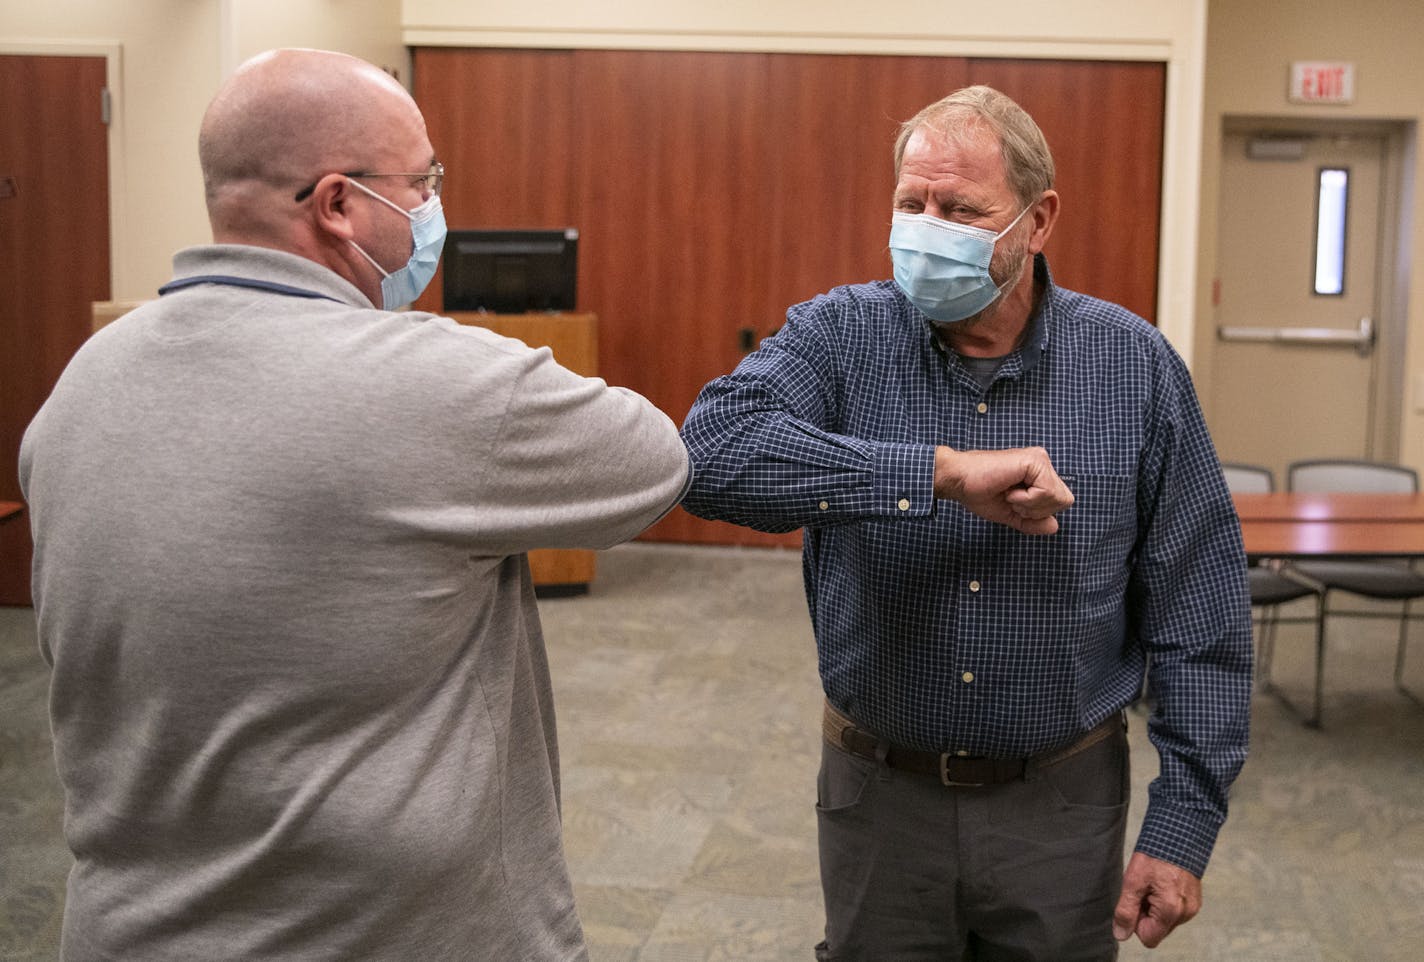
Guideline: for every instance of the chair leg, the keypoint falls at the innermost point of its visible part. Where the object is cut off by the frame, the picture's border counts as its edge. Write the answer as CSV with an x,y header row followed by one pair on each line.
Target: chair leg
x,y
1403,641
1314,720
1258,635
1399,654
1267,647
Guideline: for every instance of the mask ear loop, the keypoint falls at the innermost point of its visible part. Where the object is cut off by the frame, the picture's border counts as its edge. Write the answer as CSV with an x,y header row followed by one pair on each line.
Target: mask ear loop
x,y
392,204
999,288
1013,223
370,259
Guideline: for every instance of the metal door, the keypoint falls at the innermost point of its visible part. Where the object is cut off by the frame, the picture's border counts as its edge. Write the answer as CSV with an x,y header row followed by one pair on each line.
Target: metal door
x,y
1295,363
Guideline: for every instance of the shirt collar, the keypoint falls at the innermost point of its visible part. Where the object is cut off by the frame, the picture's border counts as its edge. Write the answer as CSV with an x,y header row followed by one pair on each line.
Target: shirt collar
x,y
1035,341
267,264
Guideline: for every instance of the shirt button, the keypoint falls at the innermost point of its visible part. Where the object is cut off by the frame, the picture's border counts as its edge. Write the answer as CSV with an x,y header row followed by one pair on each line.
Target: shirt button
x,y
904,504
968,676
982,408
973,586
963,753
825,505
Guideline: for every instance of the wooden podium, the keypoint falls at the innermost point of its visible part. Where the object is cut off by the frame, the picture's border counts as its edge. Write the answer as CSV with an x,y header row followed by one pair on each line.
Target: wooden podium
x,y
574,340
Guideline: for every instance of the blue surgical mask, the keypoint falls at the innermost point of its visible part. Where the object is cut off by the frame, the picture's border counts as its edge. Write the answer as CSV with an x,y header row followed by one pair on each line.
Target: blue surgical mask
x,y
427,229
943,267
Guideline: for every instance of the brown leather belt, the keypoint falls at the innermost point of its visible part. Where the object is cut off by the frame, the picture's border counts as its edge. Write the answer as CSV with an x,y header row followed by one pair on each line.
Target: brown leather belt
x,y
954,770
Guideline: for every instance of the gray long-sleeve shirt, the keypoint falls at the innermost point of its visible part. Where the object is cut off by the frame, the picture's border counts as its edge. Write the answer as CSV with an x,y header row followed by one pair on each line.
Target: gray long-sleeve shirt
x,y
300,699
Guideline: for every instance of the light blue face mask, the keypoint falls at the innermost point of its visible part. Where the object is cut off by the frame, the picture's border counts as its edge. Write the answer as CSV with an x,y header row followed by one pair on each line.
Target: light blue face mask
x,y
427,229
943,267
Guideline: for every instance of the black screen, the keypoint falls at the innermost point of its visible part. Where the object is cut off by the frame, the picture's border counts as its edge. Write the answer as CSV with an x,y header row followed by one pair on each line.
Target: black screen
x,y
511,271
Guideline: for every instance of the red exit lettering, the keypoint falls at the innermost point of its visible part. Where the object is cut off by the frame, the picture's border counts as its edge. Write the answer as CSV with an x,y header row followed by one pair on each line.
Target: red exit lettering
x,y
1322,82
1325,83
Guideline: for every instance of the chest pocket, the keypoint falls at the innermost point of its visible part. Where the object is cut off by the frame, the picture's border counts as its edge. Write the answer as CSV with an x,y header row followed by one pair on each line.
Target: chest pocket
x,y
1088,560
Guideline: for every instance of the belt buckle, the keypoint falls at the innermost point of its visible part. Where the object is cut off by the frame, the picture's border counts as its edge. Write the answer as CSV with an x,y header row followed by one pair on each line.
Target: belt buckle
x,y
947,781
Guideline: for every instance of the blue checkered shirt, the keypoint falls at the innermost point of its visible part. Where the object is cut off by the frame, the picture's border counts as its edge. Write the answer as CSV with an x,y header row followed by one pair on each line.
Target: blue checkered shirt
x,y
944,632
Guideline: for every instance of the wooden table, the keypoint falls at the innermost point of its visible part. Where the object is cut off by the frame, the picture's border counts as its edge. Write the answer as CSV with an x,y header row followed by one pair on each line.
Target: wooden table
x,y
1335,525
1332,539
1335,506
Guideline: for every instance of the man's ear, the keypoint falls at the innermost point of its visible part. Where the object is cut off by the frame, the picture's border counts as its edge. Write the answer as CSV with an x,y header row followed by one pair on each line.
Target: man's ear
x,y
329,203
1044,215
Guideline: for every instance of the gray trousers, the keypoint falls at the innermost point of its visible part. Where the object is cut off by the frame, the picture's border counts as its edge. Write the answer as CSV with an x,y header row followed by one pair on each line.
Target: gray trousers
x,y
1028,870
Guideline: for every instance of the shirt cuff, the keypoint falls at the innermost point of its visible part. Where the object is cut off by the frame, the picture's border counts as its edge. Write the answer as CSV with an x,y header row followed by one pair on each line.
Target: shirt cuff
x,y
904,480
1182,836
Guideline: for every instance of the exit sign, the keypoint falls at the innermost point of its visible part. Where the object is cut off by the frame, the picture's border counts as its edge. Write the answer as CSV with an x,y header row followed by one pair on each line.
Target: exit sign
x,y
1322,82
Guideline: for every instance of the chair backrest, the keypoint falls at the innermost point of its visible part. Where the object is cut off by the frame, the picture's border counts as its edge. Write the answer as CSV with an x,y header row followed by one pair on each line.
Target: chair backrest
x,y
1370,477
1248,478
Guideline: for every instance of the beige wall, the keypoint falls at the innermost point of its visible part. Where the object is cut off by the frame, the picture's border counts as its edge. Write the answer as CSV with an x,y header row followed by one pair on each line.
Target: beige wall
x,y
1250,45
369,29
166,58
1025,27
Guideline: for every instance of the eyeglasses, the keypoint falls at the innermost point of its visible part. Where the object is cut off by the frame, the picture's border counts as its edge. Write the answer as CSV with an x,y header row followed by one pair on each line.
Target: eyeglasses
x,y
428,182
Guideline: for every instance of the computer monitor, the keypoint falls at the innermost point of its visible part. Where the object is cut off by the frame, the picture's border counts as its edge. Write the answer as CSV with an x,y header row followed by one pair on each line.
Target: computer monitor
x,y
511,271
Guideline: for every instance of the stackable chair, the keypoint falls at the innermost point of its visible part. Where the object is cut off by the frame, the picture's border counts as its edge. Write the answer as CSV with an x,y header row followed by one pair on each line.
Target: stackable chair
x,y
1381,579
1271,586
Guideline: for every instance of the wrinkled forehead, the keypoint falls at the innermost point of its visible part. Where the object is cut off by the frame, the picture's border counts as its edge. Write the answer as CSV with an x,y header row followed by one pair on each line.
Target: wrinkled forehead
x,y
968,155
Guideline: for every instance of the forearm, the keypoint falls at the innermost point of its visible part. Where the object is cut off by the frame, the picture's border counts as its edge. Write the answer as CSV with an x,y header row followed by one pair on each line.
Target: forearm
x,y
775,473
1196,625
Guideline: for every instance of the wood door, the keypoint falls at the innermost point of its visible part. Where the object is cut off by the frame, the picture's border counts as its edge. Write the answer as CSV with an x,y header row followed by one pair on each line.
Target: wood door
x,y
714,190
1274,402
54,245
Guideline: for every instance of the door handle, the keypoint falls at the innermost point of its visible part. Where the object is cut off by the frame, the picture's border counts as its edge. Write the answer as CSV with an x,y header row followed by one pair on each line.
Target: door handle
x,y
1362,338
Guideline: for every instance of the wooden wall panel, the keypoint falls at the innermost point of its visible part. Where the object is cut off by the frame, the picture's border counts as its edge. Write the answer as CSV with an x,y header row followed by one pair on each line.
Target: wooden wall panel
x,y
1103,122
714,190
54,253
502,122
676,248
832,172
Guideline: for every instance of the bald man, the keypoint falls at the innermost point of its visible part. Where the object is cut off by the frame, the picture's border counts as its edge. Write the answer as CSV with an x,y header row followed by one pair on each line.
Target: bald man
x,y
300,699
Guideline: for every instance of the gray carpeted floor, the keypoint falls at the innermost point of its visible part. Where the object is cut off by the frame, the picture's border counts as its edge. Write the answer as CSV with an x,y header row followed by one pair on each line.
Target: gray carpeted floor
x,y
689,711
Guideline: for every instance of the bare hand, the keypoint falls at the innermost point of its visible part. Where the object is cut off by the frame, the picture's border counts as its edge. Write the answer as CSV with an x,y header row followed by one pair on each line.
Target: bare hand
x,y
1157,897
1017,487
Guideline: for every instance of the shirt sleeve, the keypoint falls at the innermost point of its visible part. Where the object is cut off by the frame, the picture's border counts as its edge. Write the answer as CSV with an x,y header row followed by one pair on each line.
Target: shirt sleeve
x,y
579,464
1192,611
765,448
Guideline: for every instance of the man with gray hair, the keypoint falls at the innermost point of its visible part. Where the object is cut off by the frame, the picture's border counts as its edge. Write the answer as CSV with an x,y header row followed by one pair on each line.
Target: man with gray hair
x,y
300,699
973,792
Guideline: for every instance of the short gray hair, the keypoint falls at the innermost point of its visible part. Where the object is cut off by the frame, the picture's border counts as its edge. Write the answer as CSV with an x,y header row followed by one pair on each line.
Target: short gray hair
x,y
1028,163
